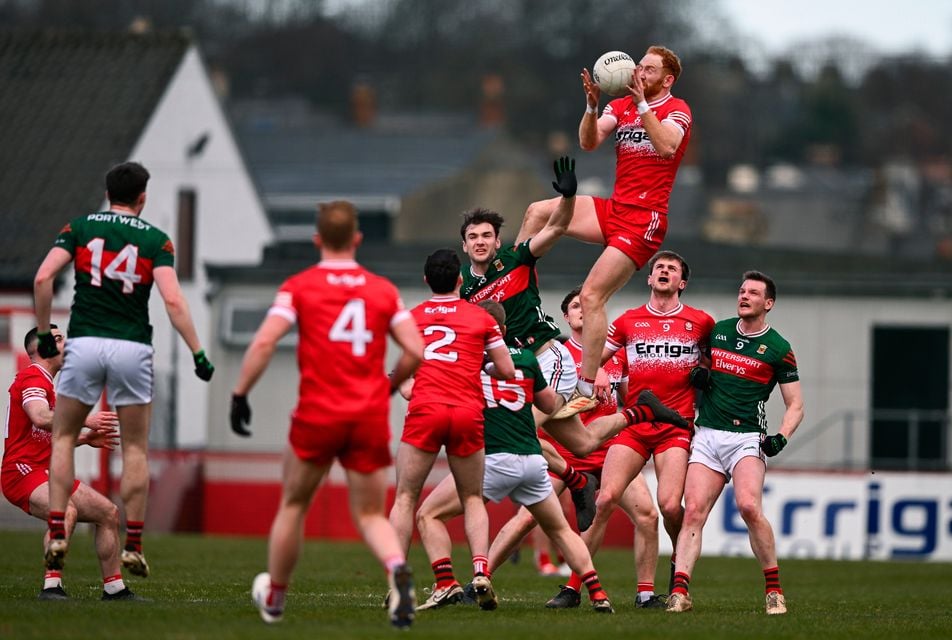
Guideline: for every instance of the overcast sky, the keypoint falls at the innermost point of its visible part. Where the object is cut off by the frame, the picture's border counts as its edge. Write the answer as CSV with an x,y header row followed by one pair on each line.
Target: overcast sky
x,y
891,27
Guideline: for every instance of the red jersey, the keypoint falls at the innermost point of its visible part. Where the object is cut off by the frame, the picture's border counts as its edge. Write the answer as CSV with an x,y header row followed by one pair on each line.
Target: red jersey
x,y
24,443
617,369
344,314
642,177
456,334
662,348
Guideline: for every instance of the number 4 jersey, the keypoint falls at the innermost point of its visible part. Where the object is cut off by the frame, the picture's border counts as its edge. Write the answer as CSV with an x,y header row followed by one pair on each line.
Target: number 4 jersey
x,y
344,314
114,255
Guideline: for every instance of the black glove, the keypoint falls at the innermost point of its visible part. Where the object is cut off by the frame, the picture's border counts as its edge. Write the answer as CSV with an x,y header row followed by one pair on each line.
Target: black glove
x,y
46,345
203,368
565,181
240,415
772,445
700,378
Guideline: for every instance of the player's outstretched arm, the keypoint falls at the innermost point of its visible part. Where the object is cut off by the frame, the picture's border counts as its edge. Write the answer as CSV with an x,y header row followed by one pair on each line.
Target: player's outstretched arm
x,y
555,227
593,130
55,260
793,399
177,309
253,364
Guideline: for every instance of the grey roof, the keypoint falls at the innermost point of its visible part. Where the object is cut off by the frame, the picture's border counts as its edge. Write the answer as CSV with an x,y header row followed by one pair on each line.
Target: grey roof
x,y
72,104
290,153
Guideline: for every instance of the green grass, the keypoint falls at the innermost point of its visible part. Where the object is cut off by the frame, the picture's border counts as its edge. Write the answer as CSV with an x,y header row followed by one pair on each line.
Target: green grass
x,y
200,589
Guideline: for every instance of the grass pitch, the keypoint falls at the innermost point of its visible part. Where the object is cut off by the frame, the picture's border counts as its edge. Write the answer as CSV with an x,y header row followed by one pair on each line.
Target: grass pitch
x,y
200,588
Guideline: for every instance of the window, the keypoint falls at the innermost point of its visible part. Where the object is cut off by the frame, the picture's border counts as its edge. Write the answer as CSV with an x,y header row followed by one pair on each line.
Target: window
x,y
185,239
241,318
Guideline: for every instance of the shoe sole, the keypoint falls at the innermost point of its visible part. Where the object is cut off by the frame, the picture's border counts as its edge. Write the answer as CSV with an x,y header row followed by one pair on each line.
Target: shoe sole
x,y
55,556
401,616
486,596
603,606
135,564
574,407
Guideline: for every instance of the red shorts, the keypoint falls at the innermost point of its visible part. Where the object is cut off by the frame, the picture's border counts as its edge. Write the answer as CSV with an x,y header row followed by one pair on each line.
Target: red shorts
x,y
20,481
361,444
652,438
430,426
635,231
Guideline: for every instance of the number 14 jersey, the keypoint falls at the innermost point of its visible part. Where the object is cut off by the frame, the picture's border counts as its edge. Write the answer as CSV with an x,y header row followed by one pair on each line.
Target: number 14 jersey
x,y
114,255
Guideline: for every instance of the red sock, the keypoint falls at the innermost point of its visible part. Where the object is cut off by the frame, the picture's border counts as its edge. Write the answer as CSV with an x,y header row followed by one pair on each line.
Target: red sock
x,y
443,571
276,595
638,413
594,586
57,524
134,535
681,582
644,587
480,566
573,479
772,578
575,582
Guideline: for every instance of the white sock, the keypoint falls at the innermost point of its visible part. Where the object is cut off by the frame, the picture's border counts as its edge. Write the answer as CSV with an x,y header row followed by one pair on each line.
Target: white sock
x,y
113,585
585,387
644,596
52,579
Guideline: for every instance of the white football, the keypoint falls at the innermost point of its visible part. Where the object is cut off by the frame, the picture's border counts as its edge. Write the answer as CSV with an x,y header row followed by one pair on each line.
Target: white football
x,y
612,72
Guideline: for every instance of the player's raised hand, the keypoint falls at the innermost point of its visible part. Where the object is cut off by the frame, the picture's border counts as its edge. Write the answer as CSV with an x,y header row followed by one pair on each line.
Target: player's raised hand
x,y
592,91
240,415
565,180
637,86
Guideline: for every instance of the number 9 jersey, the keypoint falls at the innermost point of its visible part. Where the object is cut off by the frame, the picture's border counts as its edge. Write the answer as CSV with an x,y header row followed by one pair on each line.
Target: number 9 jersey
x,y
114,256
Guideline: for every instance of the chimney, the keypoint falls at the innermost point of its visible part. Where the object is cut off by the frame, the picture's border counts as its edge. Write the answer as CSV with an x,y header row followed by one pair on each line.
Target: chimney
x,y
363,104
492,110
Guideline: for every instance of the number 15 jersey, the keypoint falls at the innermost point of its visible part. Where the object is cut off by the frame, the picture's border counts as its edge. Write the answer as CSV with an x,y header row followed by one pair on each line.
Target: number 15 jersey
x,y
114,255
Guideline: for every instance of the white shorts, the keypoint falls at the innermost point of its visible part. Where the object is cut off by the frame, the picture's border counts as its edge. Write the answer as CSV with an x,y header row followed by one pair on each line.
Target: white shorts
x,y
123,367
523,479
722,450
558,367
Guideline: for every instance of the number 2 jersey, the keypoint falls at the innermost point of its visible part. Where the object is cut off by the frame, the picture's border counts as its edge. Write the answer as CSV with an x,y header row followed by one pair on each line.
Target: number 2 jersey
x,y
344,314
744,370
456,334
662,348
513,282
114,255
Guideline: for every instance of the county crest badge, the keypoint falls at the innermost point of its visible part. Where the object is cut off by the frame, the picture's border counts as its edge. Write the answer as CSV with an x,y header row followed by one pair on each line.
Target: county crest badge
x,y
497,265
762,349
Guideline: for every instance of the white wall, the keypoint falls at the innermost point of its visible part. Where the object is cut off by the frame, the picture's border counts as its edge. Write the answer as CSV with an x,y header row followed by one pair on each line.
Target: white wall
x,y
231,223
